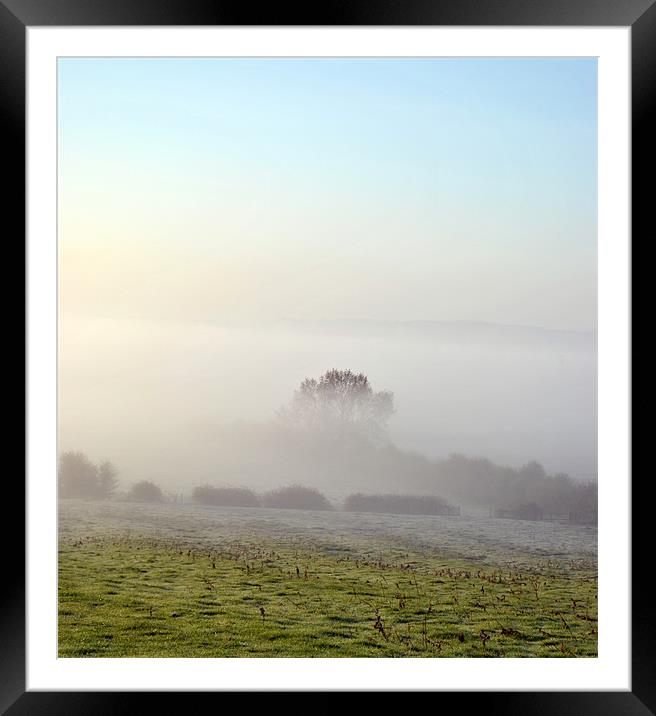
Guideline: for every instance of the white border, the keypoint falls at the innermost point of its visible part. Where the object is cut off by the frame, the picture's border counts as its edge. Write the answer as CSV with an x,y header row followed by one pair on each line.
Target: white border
x,y
611,670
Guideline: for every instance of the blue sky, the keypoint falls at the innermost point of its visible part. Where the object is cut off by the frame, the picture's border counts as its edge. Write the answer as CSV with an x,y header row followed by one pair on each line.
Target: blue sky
x,y
404,189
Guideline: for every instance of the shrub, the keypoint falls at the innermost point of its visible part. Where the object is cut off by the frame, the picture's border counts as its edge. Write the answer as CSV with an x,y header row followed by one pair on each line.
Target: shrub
x,y
400,504
529,511
296,497
227,496
145,491
583,507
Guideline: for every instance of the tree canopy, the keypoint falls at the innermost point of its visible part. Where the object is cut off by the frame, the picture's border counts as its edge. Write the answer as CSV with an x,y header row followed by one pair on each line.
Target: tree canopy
x,y
79,477
340,403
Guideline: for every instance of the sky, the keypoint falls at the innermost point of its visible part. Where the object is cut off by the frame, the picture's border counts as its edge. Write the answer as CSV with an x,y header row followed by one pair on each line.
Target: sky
x,y
388,189
222,220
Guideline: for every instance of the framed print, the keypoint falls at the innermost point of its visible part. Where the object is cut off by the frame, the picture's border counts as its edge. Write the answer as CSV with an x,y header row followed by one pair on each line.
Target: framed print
x,y
328,352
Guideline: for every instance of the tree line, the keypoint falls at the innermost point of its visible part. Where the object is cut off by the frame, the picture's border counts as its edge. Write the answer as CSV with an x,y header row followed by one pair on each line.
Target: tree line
x,y
79,477
335,428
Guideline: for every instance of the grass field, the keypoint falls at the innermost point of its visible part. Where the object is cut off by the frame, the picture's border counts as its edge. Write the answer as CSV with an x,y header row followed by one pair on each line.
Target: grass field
x,y
189,581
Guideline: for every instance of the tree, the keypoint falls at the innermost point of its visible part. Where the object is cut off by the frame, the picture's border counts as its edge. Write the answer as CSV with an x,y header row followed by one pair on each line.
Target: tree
x,y
107,479
340,403
146,491
533,471
77,475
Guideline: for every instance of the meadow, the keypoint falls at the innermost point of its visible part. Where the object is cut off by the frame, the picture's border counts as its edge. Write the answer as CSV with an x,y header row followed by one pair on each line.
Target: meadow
x,y
144,580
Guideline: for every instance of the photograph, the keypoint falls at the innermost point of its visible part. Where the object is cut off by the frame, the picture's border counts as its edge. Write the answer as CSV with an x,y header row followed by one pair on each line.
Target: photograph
x,y
328,353
327,357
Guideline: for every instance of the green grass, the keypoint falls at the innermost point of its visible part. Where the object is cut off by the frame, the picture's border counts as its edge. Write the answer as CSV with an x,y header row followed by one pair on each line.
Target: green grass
x,y
133,595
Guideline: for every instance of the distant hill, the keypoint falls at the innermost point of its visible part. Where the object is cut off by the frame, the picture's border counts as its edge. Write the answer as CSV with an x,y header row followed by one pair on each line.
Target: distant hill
x,y
455,332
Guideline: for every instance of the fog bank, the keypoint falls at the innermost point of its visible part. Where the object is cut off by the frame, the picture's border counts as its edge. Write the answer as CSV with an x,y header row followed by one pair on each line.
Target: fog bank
x,y
180,403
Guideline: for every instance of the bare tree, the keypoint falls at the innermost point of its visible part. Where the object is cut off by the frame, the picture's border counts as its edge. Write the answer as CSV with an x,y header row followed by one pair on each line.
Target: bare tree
x,y
340,403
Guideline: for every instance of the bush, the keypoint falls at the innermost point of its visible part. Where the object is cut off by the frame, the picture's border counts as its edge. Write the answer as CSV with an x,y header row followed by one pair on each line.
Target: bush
x,y
296,497
145,491
583,507
226,496
529,511
399,504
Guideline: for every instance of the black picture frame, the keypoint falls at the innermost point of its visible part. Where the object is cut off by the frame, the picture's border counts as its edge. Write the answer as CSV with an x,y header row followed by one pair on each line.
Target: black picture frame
x,y
17,15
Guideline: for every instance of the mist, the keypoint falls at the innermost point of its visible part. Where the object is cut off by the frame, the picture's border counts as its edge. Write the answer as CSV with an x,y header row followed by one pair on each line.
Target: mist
x,y
428,223
327,357
189,403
